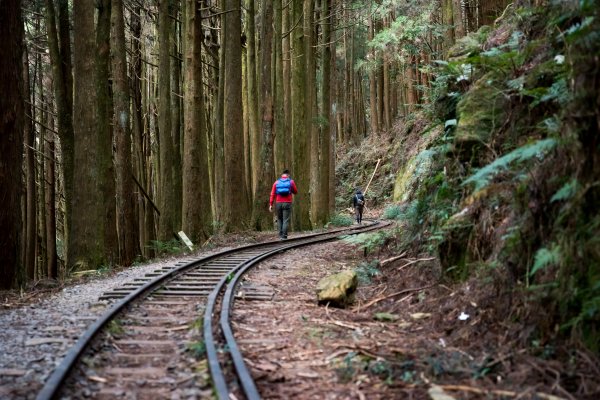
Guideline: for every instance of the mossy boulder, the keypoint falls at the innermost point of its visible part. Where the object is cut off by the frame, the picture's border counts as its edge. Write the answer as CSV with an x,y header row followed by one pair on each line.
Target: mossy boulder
x,y
337,289
480,112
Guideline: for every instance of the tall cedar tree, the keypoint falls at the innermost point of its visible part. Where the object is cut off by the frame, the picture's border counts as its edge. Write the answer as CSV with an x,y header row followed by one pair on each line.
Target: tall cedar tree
x,y
104,132
254,125
236,204
11,139
59,44
166,227
86,248
126,218
300,127
197,209
30,241
261,218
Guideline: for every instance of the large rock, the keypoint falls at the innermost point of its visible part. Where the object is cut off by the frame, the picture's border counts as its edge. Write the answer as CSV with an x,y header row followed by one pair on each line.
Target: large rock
x,y
337,290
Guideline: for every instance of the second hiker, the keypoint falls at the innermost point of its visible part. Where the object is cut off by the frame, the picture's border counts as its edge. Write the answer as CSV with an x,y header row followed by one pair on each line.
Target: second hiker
x,y
282,194
359,204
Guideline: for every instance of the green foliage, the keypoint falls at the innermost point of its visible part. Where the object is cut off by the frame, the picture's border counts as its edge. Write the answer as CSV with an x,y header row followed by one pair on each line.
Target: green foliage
x,y
341,220
536,149
172,246
567,191
545,257
368,242
197,349
391,212
366,271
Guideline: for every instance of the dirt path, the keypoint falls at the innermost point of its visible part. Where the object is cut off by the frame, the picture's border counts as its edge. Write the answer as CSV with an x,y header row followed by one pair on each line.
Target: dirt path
x,y
399,347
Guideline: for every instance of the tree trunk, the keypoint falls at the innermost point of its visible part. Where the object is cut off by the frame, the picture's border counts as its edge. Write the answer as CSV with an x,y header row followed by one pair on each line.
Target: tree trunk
x,y
103,125
86,249
11,139
236,196
142,204
50,207
253,113
126,219
373,83
30,208
60,56
281,135
322,209
176,136
457,17
261,217
219,139
166,227
197,210
287,140
301,138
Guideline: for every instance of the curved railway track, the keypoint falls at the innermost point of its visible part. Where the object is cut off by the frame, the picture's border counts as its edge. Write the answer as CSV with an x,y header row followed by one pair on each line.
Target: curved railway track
x,y
147,330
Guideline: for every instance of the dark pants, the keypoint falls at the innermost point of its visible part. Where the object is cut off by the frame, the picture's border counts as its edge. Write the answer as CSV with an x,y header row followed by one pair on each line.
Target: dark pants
x,y
359,212
284,210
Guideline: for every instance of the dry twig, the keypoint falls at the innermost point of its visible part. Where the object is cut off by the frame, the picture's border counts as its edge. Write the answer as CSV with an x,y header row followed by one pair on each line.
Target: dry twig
x,y
377,300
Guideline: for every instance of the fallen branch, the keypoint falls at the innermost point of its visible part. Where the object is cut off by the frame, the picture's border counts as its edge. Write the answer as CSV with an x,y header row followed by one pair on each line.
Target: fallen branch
x,y
375,301
415,261
389,260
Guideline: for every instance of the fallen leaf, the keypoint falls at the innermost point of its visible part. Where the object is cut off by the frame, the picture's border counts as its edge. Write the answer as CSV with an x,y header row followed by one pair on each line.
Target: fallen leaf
x,y
97,379
38,341
437,393
12,372
420,315
386,316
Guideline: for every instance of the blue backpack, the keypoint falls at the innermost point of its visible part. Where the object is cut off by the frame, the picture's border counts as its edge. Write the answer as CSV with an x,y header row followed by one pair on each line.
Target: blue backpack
x,y
283,186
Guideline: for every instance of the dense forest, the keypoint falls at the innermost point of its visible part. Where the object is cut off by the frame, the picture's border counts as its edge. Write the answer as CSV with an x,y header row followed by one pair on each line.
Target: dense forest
x,y
124,122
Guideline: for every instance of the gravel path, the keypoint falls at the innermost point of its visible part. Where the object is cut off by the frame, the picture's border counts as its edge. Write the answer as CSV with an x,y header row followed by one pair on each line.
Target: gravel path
x,y
35,338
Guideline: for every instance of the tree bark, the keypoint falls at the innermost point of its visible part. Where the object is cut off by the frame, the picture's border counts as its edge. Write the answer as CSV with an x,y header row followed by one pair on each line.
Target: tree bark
x,y
127,222
373,83
197,210
86,249
11,139
176,115
300,129
261,218
322,209
236,196
50,207
30,207
60,56
166,227
281,137
457,17
253,112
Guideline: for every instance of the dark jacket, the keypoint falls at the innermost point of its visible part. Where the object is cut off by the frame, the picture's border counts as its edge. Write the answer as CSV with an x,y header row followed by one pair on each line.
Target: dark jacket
x,y
355,199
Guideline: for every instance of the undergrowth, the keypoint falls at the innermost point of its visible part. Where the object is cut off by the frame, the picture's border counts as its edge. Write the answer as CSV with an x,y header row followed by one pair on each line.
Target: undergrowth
x,y
510,191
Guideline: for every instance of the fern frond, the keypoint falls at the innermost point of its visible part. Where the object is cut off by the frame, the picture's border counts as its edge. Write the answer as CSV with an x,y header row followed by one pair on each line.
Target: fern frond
x,y
545,257
484,175
566,192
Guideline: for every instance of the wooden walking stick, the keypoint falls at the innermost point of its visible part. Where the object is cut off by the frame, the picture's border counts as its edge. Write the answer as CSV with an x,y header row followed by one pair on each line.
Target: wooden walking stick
x,y
372,176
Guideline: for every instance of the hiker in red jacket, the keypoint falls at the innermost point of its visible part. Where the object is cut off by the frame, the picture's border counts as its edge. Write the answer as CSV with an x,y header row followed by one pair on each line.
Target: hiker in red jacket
x,y
282,194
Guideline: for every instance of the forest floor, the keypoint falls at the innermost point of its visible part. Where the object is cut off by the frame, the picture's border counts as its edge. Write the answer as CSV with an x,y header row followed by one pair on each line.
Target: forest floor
x,y
405,336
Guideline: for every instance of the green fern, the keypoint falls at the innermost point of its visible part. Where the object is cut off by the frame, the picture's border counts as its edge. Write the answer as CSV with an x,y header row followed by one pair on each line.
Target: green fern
x,y
537,149
545,257
566,192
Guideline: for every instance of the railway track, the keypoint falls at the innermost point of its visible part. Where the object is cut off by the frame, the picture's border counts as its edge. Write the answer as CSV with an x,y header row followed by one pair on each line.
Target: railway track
x,y
145,342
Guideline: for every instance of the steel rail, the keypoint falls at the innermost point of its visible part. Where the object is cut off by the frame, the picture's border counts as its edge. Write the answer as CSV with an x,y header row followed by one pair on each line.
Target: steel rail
x,y
61,372
243,374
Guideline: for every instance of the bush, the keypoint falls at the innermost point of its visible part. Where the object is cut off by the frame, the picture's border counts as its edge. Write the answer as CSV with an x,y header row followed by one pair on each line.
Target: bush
x,y
341,220
392,211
